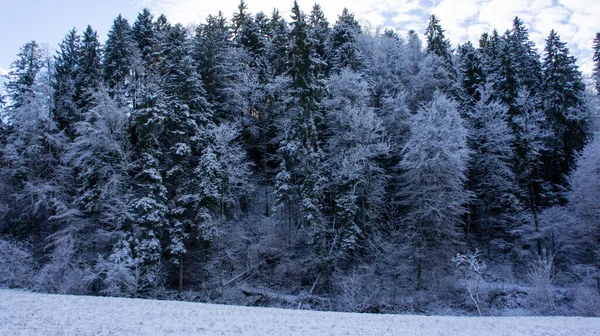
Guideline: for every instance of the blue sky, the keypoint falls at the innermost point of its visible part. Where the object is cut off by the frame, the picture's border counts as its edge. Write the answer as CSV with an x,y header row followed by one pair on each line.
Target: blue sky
x,y
48,21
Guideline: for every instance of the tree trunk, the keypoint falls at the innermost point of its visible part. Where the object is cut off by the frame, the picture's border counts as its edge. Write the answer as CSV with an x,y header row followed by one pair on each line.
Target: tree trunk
x,y
180,288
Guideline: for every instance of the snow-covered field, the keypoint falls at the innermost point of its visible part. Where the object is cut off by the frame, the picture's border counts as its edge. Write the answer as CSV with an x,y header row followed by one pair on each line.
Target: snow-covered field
x,y
23,313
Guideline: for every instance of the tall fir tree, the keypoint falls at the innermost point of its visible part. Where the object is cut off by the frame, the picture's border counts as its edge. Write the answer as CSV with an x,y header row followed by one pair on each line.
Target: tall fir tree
x,y
341,48
563,102
495,208
120,52
471,72
66,74
299,180
319,30
437,43
23,73
90,77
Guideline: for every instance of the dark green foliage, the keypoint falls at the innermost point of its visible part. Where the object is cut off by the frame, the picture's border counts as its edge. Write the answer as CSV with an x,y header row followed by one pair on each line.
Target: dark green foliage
x,y
563,102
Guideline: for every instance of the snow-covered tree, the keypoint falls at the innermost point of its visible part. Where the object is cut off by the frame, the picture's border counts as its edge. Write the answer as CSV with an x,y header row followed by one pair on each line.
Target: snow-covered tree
x,y
356,143
583,198
120,54
299,180
23,73
495,208
433,194
341,48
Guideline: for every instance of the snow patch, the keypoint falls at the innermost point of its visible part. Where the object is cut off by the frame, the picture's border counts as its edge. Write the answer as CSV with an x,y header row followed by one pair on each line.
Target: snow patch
x,y
24,313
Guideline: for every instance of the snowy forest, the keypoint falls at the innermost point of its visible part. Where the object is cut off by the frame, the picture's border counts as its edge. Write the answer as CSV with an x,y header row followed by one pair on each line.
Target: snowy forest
x,y
295,162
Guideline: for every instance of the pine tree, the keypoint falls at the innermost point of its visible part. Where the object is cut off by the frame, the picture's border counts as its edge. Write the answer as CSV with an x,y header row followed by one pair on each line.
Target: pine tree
x,y
341,48
433,194
471,72
119,55
240,18
220,67
299,180
319,30
90,77
23,73
31,173
66,73
530,145
495,208
437,44
186,138
143,34
562,93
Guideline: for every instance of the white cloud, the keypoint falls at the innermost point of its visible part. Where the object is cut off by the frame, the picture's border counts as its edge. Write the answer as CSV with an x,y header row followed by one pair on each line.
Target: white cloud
x,y
576,21
194,11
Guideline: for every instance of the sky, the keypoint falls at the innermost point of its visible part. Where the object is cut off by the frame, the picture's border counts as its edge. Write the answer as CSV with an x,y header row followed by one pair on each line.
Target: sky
x,y
47,22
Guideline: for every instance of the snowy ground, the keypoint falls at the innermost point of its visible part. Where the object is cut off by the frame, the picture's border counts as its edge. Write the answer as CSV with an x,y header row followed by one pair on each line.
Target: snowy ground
x,y
23,313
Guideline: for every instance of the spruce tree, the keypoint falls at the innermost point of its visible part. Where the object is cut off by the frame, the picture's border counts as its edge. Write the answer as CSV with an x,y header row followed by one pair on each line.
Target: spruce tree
x,y
66,74
280,44
437,44
187,138
562,94
341,48
495,208
299,180
90,77
119,56
23,73
319,30
471,72
143,34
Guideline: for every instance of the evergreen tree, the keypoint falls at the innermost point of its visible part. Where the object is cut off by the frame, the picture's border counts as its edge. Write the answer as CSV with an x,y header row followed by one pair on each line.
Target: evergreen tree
x,y
530,145
562,94
66,73
119,56
220,67
471,72
437,44
186,139
356,143
90,77
280,44
31,173
299,180
341,48
143,33
23,73
495,208
319,30
240,18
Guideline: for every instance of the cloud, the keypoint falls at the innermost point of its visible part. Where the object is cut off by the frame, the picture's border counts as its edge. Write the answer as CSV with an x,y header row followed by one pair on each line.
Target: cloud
x,y
576,21
194,11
